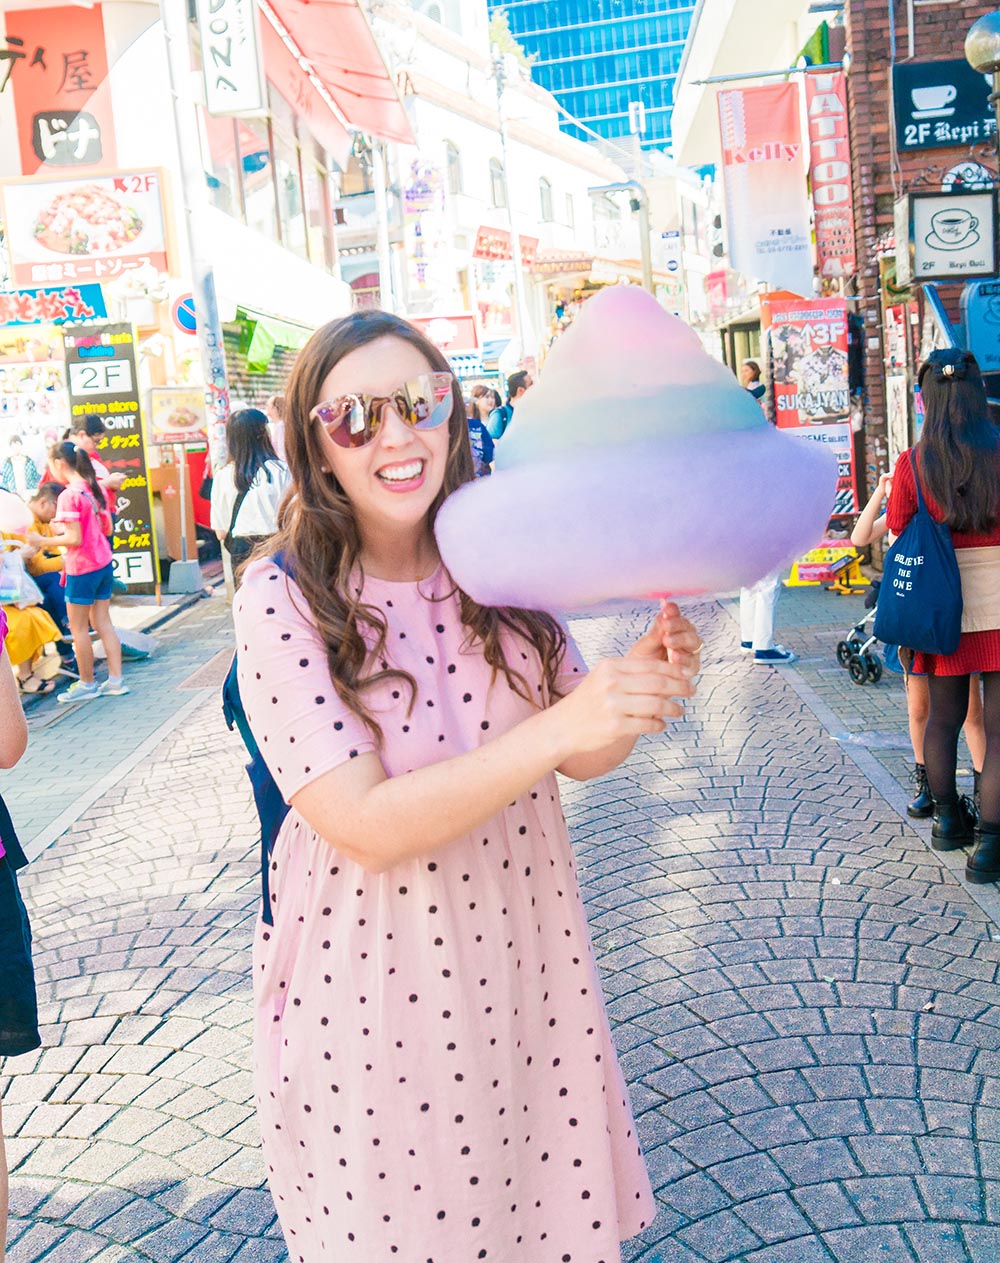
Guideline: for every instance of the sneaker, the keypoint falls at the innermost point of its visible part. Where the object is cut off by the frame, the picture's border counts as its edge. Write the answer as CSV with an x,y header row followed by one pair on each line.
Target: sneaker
x,y
746,646
114,687
79,692
779,656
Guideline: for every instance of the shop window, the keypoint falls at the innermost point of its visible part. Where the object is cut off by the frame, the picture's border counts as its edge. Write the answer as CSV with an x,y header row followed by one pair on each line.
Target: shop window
x,y
218,156
316,193
570,211
545,200
498,194
258,176
453,166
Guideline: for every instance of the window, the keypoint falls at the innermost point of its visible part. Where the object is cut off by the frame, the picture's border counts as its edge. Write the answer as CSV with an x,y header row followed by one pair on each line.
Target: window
x,y
288,177
316,194
453,166
222,171
545,200
258,176
498,194
570,211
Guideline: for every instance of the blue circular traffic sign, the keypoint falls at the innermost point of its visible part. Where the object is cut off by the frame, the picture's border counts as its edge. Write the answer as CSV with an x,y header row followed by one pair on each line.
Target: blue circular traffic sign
x,y
183,314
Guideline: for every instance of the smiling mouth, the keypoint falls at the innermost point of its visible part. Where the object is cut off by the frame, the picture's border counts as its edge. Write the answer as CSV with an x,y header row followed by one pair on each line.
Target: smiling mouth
x,y
395,475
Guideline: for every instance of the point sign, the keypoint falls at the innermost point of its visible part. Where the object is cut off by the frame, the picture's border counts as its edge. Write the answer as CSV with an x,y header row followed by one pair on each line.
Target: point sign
x,y
183,314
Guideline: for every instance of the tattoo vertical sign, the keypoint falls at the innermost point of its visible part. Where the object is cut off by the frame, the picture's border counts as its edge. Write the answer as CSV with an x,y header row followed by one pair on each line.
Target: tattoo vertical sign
x,y
55,65
101,376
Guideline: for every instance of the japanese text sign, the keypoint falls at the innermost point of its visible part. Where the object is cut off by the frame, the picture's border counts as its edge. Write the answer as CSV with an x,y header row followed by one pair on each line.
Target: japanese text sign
x,y
766,208
830,171
54,62
101,374
86,229
51,306
230,57
941,104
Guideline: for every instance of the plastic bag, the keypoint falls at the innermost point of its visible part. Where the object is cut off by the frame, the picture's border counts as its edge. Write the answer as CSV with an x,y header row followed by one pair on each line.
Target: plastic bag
x,y
17,586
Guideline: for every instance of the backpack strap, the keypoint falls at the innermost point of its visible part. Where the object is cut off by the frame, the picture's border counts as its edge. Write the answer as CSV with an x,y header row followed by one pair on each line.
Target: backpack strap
x,y
228,541
921,506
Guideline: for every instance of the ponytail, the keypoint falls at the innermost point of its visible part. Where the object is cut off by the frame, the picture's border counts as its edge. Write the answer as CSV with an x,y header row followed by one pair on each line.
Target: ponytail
x,y
79,460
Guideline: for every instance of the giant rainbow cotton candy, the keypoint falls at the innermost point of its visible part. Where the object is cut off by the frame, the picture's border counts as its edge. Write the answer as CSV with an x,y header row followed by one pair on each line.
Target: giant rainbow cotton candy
x,y
637,466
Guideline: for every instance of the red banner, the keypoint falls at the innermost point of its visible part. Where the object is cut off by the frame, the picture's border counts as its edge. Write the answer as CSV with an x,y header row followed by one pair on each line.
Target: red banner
x,y
830,170
57,68
494,243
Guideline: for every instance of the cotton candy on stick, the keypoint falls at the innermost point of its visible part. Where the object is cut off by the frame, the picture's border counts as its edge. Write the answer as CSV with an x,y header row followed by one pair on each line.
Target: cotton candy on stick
x,y
15,516
637,466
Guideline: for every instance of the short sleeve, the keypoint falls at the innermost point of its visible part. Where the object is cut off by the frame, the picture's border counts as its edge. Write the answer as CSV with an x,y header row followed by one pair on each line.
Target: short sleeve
x,y
301,726
572,669
68,507
903,496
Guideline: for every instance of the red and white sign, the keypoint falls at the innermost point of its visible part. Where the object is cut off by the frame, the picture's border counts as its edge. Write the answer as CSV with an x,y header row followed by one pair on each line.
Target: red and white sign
x,y
56,65
830,169
450,333
495,243
766,207
87,229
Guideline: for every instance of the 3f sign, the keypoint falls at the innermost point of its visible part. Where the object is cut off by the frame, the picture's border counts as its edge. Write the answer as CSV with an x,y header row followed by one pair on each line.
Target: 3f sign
x,y
106,377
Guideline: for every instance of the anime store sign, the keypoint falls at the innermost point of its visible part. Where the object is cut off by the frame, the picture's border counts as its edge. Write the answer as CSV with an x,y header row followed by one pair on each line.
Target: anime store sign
x,y
101,376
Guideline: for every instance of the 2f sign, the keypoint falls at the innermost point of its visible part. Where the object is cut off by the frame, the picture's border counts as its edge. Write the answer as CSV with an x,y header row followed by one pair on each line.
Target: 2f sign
x,y
105,377
230,57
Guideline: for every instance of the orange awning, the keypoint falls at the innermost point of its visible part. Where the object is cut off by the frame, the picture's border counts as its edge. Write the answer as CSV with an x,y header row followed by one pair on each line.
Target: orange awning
x,y
335,38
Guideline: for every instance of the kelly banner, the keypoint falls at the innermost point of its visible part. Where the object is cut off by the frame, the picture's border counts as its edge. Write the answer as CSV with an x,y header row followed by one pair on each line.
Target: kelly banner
x,y
766,205
830,173
101,375
807,349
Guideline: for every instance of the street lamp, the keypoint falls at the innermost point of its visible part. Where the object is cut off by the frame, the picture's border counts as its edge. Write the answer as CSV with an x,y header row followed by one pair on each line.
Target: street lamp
x,y
982,52
638,201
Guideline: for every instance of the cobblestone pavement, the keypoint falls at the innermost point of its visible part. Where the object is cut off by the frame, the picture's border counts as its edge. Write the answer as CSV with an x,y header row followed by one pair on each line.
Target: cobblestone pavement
x,y
803,994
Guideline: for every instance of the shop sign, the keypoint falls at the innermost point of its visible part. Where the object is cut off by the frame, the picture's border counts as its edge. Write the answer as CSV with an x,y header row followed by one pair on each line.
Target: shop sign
x,y
35,344
717,293
766,207
87,229
941,104
101,374
450,333
808,344
230,57
670,251
55,65
177,415
495,244
981,317
425,235
52,306
946,236
830,173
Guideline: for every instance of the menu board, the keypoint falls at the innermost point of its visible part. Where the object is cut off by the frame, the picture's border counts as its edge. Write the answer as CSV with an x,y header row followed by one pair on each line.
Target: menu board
x,y
101,373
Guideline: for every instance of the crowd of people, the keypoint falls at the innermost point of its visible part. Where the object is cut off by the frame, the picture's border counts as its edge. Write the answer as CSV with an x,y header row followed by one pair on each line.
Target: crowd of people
x,y
415,736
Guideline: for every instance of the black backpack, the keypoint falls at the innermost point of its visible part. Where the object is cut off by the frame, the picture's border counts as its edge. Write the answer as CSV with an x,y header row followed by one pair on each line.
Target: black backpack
x,y
271,806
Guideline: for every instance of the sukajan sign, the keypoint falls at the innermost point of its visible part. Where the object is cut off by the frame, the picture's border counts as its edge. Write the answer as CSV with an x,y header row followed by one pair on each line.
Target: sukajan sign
x,y
230,57
830,172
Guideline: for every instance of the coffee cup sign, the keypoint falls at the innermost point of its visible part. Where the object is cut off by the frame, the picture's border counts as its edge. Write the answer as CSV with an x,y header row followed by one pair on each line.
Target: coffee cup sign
x,y
934,102
953,235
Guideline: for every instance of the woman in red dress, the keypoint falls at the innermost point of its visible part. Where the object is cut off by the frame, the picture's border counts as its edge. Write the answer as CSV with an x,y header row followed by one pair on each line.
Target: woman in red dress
x,y
958,463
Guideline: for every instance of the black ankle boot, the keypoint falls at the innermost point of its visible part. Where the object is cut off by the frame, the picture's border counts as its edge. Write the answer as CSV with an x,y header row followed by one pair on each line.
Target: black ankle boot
x,y
954,824
983,865
923,805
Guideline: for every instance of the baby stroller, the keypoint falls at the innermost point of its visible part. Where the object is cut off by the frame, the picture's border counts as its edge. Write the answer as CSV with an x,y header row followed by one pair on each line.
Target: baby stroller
x,y
856,651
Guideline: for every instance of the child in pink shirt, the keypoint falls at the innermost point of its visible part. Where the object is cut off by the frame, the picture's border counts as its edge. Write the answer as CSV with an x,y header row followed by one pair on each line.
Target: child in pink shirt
x,y
82,513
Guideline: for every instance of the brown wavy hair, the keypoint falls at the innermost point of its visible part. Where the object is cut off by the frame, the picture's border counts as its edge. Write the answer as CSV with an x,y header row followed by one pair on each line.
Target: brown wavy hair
x,y
318,534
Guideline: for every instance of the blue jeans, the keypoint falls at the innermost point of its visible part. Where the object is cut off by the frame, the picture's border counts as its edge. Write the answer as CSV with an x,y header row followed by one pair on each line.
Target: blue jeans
x,y
53,598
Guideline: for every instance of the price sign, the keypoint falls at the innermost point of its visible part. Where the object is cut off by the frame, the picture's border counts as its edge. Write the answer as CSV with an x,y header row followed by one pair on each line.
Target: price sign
x,y
100,367
103,377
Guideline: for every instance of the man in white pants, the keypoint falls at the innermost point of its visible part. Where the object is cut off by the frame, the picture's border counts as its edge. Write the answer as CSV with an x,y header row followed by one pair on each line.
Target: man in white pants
x,y
757,606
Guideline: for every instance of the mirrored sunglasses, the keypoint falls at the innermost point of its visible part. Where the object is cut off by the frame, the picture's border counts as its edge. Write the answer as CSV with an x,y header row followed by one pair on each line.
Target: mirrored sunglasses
x,y
424,402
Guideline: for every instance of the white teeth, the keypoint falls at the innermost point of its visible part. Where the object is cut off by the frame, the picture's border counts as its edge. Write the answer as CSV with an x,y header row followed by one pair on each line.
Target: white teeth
x,y
402,473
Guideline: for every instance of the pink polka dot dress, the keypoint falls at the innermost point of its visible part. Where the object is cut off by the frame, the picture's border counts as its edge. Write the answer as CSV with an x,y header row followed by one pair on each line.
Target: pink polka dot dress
x,y
436,1081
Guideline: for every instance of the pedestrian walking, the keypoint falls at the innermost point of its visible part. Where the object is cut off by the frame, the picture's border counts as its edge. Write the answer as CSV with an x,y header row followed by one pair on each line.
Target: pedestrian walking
x,y
434,1066
82,526
957,463
498,422
750,378
479,440
247,490
274,410
18,1004
872,525
758,606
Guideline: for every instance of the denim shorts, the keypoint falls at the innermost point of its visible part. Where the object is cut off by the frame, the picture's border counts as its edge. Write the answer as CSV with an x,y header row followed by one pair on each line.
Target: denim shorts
x,y
85,589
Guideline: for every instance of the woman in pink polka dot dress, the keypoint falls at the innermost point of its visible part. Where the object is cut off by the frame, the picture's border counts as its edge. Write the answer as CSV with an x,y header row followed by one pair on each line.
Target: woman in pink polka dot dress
x,y
435,1073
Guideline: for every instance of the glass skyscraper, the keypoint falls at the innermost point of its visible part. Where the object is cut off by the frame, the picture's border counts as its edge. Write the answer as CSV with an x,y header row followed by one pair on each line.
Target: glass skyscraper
x,y
598,56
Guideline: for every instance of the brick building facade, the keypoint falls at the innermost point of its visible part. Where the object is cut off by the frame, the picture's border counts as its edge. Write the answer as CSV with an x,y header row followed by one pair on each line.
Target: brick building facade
x,y
873,27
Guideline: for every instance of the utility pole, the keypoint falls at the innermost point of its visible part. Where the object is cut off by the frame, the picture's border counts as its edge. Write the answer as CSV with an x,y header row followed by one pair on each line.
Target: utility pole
x,y
521,320
640,200
387,299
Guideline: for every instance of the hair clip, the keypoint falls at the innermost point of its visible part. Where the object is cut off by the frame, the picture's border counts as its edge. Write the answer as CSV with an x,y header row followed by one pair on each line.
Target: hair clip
x,y
947,364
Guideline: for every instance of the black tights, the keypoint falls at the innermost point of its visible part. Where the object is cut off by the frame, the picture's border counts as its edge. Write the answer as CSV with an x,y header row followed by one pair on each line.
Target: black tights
x,y
949,706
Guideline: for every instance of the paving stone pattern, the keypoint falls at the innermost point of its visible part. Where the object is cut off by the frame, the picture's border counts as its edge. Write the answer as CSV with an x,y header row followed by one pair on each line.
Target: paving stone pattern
x,y
804,999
